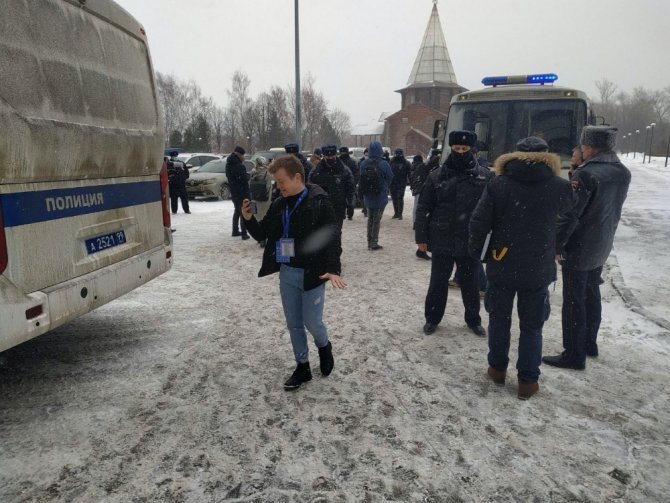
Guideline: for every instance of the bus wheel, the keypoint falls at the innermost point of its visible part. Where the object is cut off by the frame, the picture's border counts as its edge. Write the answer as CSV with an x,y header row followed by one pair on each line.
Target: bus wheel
x,y
224,193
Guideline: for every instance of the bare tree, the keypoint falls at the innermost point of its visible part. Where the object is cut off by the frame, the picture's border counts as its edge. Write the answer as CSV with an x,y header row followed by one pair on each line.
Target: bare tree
x,y
607,90
341,123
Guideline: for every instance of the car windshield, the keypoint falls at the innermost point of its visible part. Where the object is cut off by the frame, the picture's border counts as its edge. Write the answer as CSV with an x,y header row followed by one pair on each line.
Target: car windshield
x,y
184,157
217,166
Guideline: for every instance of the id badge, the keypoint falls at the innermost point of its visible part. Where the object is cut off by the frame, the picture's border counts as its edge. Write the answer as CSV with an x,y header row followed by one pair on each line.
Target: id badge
x,y
285,250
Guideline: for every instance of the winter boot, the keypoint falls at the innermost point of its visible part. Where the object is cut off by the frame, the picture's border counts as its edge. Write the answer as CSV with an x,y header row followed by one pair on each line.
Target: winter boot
x,y
497,376
301,374
326,359
527,389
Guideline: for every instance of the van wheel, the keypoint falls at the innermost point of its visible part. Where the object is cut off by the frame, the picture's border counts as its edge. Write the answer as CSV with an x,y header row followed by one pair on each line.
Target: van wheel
x,y
224,193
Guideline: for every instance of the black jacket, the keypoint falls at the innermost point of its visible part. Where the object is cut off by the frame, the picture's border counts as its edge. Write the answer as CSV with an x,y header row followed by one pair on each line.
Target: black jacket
x,y
177,174
521,206
312,226
401,169
352,165
446,203
306,165
586,234
238,179
338,182
418,177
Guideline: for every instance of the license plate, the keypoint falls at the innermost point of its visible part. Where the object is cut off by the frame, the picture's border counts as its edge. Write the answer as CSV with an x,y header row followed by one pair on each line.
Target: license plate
x,y
99,243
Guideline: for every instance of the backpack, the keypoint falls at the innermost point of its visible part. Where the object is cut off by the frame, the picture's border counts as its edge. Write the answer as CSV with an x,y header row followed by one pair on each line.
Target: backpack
x,y
371,181
258,190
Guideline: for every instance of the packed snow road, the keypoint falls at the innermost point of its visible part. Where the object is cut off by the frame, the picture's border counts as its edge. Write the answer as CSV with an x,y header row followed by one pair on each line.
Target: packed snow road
x,y
174,392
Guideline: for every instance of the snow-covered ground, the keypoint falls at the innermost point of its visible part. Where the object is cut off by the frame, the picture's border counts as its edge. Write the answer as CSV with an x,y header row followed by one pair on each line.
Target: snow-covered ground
x,y
173,392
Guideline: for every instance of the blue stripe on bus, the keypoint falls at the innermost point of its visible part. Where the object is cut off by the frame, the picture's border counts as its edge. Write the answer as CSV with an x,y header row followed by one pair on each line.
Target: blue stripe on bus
x,y
23,208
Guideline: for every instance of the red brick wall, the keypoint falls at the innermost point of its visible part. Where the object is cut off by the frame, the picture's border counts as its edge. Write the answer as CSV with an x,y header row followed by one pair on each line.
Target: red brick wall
x,y
399,124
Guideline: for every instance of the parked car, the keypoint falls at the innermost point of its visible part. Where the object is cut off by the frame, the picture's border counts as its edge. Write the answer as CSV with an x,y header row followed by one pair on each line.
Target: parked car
x,y
268,154
210,180
194,161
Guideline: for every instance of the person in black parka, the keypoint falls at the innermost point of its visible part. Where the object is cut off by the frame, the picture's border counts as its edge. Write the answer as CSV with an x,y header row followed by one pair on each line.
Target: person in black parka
x,y
177,176
446,203
520,208
238,181
337,180
401,170
350,163
294,149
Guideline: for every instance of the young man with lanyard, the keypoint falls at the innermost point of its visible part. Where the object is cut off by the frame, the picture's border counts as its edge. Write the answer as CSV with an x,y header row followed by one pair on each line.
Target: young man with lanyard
x,y
303,246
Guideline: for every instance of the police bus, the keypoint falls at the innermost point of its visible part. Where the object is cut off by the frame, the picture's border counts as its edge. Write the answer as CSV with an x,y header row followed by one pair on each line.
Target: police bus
x,y
513,107
83,185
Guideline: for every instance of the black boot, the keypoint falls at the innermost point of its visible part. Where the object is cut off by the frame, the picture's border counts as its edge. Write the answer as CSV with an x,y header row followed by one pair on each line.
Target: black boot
x,y
301,374
326,359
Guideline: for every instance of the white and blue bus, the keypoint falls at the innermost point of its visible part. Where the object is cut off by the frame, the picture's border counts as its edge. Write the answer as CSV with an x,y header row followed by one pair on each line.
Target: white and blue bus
x,y
513,107
83,184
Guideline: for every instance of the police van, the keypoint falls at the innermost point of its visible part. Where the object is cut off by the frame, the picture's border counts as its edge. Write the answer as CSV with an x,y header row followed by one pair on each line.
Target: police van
x,y
83,183
513,107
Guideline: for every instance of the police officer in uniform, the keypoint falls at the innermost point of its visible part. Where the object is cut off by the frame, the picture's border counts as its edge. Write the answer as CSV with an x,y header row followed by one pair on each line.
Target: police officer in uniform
x,y
338,182
350,163
177,175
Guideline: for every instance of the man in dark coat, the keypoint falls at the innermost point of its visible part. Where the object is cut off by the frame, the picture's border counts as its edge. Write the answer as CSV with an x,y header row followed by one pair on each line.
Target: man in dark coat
x,y
446,203
302,244
350,163
359,192
585,238
294,149
519,209
177,176
401,169
418,176
337,180
238,181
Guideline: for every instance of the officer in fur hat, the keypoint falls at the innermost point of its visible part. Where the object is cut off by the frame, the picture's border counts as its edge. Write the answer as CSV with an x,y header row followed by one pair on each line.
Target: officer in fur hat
x,y
584,241
294,149
520,208
338,182
447,200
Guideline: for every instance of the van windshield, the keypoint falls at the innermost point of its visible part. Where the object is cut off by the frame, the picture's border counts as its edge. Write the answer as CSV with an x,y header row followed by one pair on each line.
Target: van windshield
x,y
500,124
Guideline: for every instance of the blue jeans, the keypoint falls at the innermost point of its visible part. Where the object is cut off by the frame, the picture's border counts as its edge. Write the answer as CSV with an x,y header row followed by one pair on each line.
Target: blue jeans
x,y
533,310
582,312
303,310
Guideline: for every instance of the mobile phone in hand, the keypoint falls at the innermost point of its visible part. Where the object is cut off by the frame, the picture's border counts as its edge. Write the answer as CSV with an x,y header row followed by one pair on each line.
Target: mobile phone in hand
x,y
253,209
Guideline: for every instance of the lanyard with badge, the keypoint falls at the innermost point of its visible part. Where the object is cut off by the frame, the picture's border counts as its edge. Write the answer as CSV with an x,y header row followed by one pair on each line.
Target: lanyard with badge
x,y
285,247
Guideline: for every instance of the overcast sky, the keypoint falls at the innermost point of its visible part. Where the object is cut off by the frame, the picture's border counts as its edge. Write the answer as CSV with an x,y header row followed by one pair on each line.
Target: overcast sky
x,y
361,51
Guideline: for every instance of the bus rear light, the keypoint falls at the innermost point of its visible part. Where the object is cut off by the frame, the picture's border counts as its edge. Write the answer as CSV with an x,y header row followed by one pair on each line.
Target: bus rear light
x,y
34,312
164,195
3,245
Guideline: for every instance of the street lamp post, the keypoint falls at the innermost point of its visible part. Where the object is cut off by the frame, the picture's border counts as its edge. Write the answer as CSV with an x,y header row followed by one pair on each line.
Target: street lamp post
x,y
630,139
637,134
624,145
651,140
667,152
646,140
298,105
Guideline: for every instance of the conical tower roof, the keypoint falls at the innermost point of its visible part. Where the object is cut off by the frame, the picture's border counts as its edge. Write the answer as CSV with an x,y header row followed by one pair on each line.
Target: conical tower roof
x,y
433,64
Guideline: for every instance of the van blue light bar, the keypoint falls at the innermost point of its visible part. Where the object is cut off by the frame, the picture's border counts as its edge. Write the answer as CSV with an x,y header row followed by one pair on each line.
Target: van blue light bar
x,y
537,78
